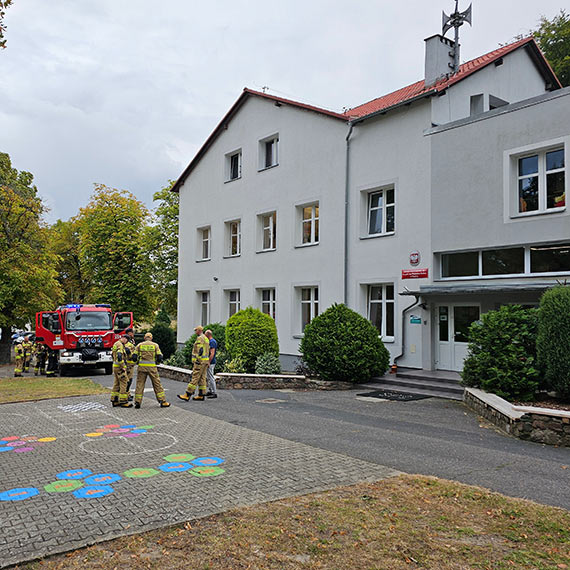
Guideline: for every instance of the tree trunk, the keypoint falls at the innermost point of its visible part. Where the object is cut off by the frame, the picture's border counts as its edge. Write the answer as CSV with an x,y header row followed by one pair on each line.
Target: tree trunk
x,y
5,345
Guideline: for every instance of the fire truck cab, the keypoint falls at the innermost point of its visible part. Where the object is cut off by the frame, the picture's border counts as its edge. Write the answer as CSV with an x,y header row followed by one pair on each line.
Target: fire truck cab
x,y
82,335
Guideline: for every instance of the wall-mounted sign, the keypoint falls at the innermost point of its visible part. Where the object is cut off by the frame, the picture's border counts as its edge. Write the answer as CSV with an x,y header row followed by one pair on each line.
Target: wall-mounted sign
x,y
414,273
415,320
415,258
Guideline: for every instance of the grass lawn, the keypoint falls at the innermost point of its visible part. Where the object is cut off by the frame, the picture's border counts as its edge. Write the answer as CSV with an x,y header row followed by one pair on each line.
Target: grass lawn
x,y
402,522
41,388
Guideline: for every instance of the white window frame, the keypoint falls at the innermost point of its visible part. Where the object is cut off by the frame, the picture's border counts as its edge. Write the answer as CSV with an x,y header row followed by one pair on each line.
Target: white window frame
x,y
268,225
511,179
272,140
228,165
385,303
270,304
234,299
383,192
312,302
233,229
313,220
204,242
204,301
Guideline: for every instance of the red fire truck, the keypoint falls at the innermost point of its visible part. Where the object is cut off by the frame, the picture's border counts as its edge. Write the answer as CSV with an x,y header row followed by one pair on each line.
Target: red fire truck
x,y
81,335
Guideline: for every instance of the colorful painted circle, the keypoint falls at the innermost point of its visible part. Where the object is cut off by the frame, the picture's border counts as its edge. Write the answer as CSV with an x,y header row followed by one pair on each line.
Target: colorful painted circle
x,y
3,442
179,457
174,466
19,494
102,479
63,486
131,434
74,474
93,492
23,449
120,430
140,473
47,438
208,461
206,471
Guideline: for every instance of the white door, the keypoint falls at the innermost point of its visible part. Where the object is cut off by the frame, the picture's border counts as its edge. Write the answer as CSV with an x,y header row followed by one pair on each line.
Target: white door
x,y
453,322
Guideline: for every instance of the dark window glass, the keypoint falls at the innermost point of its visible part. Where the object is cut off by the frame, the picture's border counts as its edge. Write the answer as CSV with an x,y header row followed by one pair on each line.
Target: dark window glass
x,y
390,218
463,317
234,166
550,258
376,315
88,320
503,261
460,264
555,194
375,221
389,319
269,154
443,324
528,194
555,159
528,165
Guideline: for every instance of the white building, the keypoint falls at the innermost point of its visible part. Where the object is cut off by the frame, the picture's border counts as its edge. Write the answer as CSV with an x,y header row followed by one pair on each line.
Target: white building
x,y
406,208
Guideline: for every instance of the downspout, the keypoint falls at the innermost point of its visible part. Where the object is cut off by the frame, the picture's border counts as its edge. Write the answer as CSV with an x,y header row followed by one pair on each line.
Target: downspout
x,y
414,304
346,212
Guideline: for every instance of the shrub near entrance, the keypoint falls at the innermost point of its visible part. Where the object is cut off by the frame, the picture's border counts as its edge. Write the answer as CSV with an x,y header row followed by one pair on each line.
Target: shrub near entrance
x,y
342,345
501,356
553,343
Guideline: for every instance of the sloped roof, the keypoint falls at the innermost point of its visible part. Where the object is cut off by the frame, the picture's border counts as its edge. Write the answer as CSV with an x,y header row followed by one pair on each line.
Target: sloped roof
x,y
419,89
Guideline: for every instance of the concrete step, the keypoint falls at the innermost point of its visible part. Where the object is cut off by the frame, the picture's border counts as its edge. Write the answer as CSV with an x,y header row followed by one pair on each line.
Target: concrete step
x,y
421,383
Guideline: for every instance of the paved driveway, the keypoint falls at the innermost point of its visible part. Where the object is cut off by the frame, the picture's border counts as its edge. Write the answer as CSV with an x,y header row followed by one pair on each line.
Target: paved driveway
x,y
75,471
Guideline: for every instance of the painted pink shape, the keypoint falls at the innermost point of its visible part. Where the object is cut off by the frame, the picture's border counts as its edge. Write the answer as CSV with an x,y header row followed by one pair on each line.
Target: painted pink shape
x,y
121,430
23,449
111,426
10,438
16,444
131,434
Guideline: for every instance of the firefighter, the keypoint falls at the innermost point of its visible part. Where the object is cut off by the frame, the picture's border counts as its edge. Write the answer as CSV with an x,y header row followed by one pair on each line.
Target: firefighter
x,y
40,353
148,355
19,352
28,348
52,363
119,395
200,361
130,349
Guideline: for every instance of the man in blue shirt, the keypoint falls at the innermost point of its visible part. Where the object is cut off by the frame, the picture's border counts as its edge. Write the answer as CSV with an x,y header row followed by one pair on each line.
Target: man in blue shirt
x,y
212,392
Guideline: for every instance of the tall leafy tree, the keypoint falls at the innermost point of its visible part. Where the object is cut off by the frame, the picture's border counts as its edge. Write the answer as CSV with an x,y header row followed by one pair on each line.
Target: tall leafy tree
x,y
553,37
113,250
163,247
3,5
72,275
27,264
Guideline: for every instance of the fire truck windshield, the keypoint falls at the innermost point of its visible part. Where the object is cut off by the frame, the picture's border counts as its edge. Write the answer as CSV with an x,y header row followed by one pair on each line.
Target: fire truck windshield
x,y
88,321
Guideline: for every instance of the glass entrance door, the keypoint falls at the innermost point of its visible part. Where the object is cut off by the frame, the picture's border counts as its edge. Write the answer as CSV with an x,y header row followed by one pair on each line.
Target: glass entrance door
x,y
452,334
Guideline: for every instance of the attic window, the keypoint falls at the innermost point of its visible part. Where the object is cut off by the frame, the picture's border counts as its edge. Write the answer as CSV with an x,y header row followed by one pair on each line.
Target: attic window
x,y
499,62
495,102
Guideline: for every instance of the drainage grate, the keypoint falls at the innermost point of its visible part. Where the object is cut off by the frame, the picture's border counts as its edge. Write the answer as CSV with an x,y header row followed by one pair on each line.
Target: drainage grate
x,y
270,401
389,395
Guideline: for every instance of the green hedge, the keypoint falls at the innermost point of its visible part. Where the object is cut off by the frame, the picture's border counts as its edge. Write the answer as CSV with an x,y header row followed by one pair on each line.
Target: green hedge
x,y
165,337
501,356
250,333
342,345
553,344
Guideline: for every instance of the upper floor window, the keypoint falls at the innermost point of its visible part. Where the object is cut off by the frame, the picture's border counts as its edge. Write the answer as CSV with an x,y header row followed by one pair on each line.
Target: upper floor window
x,y
310,223
541,181
268,304
381,212
233,165
233,230
269,231
234,302
268,152
381,309
204,243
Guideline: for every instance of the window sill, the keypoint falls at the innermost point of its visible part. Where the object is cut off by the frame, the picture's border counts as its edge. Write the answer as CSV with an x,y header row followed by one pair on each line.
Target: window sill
x,y
522,215
232,256
389,340
232,180
267,168
301,245
298,336
203,260
266,250
374,236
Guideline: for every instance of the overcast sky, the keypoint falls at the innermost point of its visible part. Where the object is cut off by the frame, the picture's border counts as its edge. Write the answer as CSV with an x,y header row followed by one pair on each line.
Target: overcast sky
x,y
124,92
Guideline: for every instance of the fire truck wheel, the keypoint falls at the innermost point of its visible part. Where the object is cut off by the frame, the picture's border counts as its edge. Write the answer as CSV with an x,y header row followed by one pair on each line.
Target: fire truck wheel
x,y
63,369
108,368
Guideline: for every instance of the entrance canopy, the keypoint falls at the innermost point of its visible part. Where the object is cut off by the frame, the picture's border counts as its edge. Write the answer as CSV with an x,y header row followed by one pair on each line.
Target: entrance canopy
x,y
478,288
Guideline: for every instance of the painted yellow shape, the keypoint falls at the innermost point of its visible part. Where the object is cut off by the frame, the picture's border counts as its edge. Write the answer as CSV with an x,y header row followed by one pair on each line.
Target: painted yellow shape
x,y
47,439
94,434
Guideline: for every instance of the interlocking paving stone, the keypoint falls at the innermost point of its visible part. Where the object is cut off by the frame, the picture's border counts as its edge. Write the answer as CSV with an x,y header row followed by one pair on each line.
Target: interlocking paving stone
x,y
257,467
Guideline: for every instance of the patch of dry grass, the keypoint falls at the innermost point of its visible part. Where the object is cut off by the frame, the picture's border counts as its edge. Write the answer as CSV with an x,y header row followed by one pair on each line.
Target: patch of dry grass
x,y
403,522
41,388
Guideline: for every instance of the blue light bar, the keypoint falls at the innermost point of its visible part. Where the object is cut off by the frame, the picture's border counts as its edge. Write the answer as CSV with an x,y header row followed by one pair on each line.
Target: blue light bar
x,y
73,306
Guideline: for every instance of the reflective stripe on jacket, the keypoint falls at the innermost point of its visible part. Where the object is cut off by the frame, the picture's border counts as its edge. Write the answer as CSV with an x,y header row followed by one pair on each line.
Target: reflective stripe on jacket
x,y
147,352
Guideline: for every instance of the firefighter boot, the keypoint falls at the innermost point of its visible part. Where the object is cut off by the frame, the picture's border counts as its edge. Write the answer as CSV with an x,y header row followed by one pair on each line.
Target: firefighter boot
x,y
186,396
163,404
125,405
201,396
137,405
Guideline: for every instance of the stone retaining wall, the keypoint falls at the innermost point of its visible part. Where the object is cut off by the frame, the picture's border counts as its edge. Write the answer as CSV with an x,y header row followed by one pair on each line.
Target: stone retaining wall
x,y
541,425
227,381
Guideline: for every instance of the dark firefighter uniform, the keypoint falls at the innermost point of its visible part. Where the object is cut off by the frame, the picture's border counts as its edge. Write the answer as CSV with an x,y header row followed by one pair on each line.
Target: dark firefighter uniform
x,y
40,353
148,355
119,396
28,347
52,362
200,361
19,352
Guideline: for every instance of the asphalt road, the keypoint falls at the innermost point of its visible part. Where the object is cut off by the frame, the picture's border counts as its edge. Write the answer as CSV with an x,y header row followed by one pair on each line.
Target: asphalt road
x,y
430,436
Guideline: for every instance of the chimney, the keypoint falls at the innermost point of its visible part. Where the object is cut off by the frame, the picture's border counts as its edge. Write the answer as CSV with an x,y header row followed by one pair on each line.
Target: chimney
x,y
439,58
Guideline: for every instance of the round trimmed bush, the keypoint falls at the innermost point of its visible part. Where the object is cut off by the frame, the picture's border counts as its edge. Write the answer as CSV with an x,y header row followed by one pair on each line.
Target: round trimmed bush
x,y
165,337
553,343
267,363
342,345
250,333
501,356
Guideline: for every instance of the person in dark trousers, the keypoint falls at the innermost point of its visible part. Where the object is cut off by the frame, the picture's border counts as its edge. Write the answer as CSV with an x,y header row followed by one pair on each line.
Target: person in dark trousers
x,y
210,378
